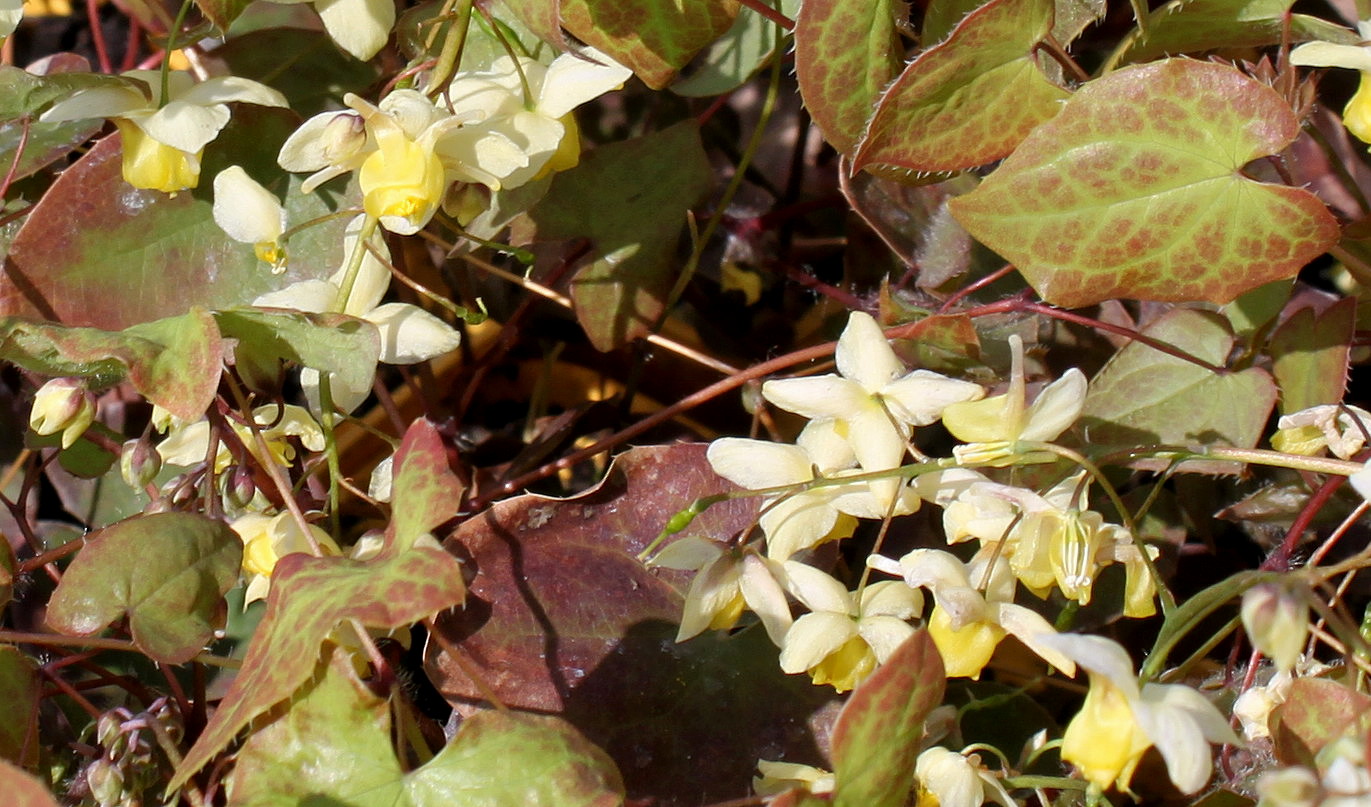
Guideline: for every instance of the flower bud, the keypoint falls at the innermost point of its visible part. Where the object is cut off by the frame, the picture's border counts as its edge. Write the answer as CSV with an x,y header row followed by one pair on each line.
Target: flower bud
x,y
239,486
1277,622
139,463
343,137
62,405
106,782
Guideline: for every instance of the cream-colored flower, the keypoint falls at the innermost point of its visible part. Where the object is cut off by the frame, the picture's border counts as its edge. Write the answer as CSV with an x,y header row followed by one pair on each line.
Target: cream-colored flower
x,y
11,12
267,539
949,779
1356,116
188,444
163,139
1339,428
843,638
1276,619
1118,722
727,581
250,214
62,405
993,428
360,27
781,777
873,399
967,623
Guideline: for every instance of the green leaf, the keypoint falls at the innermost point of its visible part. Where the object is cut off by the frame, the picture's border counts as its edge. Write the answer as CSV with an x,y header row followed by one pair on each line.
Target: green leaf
x,y
22,789
1310,353
1134,190
654,38
846,52
43,143
173,362
1195,26
969,100
23,93
167,571
1145,397
333,743
425,490
309,598
1191,613
542,17
630,199
170,254
876,739
332,343
308,69
736,55
222,12
7,570
19,691
1316,712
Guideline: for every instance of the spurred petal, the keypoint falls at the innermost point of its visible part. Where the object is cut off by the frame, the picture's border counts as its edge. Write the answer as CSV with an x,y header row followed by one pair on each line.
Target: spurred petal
x,y
1028,627
244,209
360,27
410,334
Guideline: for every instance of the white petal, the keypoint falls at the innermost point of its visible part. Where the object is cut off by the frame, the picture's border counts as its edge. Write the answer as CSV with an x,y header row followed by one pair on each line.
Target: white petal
x,y
885,634
1028,626
823,396
345,398
827,444
764,595
1098,655
797,522
687,554
712,590
1187,754
360,27
309,296
949,777
920,397
187,445
758,464
410,334
11,12
933,569
1196,706
97,102
244,209
1327,54
1056,408
813,638
879,446
891,598
186,126
1361,481
571,81
818,590
304,149
864,355
224,89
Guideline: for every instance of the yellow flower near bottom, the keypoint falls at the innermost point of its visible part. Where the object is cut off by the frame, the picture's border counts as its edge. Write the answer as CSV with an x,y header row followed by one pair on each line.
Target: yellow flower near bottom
x,y
402,181
1356,116
153,165
1104,740
846,667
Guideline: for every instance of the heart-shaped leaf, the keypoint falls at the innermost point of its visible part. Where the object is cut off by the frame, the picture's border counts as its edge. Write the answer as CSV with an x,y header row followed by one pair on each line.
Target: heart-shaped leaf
x,y
846,52
426,492
23,789
969,100
654,38
1310,353
1134,190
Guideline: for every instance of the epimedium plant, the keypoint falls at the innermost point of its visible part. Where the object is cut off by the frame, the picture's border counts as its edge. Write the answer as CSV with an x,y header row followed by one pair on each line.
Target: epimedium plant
x,y
325,361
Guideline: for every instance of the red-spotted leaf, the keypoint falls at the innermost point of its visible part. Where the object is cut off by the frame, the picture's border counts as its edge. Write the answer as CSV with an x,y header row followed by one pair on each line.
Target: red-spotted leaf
x,y
564,618
309,598
876,739
969,100
1195,26
1135,190
655,38
23,789
19,691
332,743
630,199
95,251
1310,353
542,17
168,572
846,52
174,362
1316,712
426,492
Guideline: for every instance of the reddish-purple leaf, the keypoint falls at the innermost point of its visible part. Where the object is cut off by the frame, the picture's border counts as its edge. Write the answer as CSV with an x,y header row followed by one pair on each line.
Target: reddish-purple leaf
x,y
19,691
1315,712
426,492
655,38
846,52
22,789
1310,353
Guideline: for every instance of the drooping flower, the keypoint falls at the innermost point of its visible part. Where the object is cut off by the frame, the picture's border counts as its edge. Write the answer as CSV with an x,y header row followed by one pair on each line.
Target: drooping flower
x,y
779,777
726,583
267,539
1356,116
360,27
843,638
163,138
1340,429
188,443
993,427
1277,622
250,214
873,399
62,405
1118,721
949,779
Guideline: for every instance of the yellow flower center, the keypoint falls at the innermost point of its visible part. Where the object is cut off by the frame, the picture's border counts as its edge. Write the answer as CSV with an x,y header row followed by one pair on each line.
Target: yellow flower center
x,y
153,165
965,652
401,178
845,667
729,615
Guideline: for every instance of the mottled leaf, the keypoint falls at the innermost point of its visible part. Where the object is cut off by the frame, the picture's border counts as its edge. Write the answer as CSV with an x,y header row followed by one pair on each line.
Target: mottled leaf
x,y
309,70
969,100
1135,190
876,739
655,38
344,346
332,741
1315,712
1145,397
426,492
564,618
732,60
24,93
1310,353
174,362
309,598
22,789
1195,26
846,52
222,12
167,572
166,252
630,199
542,17
19,691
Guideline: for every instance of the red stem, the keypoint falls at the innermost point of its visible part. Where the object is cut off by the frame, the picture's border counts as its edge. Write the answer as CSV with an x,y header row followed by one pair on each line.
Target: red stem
x,y
97,36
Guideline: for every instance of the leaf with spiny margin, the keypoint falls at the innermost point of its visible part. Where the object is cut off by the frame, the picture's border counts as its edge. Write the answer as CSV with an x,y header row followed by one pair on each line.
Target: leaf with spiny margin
x,y
1134,190
968,100
846,52
1195,26
344,346
222,12
1071,18
309,598
97,252
653,38
630,199
1310,354
426,491
735,56
1145,397
22,789
1315,712
876,738
19,691
173,362
167,571
333,743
